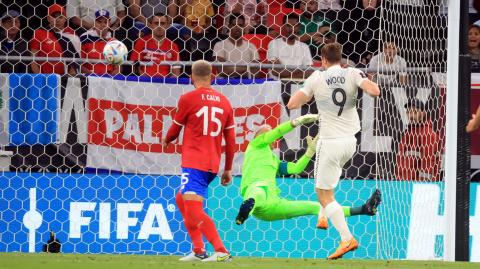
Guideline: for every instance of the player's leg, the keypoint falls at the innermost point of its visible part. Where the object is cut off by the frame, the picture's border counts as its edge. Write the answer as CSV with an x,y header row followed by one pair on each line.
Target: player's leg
x,y
195,234
328,168
273,208
280,209
254,197
193,193
369,208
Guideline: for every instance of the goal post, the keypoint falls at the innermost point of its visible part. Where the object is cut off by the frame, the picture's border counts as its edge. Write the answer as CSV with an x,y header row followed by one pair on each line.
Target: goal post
x,y
457,162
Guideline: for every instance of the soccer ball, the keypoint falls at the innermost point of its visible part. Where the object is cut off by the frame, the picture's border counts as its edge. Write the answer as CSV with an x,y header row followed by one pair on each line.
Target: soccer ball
x,y
115,52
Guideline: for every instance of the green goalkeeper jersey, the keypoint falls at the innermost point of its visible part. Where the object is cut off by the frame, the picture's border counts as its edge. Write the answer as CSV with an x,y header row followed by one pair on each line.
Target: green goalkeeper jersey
x,y
262,165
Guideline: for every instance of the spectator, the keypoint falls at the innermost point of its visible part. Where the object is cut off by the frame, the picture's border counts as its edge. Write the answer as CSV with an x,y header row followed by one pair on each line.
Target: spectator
x,y
235,49
139,11
156,48
55,42
93,41
198,18
142,10
333,10
248,8
176,9
198,15
418,156
313,26
288,50
474,44
389,61
82,12
12,44
370,5
330,5
177,32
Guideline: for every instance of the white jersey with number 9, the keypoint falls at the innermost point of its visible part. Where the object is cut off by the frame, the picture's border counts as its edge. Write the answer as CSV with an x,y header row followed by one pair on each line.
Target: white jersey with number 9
x,y
335,91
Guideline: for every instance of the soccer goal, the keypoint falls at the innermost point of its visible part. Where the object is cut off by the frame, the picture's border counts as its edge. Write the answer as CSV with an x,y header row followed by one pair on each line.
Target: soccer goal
x,y
81,139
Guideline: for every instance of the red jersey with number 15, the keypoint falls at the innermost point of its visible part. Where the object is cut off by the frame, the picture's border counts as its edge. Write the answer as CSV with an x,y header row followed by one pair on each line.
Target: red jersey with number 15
x,y
205,114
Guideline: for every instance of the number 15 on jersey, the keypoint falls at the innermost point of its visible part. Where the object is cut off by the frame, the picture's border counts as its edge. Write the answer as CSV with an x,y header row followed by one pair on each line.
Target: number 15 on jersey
x,y
209,114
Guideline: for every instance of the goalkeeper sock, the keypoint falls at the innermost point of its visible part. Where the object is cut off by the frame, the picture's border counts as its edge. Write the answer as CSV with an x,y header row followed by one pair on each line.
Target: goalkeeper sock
x,y
194,233
196,216
334,212
359,210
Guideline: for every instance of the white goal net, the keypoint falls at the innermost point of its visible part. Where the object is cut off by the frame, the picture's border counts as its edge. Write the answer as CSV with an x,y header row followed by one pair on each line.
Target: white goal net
x,y
81,153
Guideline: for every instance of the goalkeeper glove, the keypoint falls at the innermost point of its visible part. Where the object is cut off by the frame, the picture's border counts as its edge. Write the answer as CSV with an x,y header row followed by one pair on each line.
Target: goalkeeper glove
x,y
311,146
304,119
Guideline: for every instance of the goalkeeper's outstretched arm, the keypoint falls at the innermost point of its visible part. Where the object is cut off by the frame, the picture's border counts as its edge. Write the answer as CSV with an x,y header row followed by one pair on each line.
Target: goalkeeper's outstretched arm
x,y
294,168
271,136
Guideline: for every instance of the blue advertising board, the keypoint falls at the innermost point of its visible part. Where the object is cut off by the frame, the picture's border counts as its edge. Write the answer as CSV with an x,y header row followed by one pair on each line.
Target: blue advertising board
x,y
91,213
137,214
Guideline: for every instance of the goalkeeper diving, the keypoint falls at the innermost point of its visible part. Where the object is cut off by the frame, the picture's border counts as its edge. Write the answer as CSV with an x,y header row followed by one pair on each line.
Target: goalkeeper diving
x,y
259,172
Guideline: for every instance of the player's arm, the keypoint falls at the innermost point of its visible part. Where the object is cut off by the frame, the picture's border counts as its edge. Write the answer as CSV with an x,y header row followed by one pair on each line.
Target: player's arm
x,y
282,129
304,95
430,157
294,168
229,135
362,81
474,123
370,87
178,122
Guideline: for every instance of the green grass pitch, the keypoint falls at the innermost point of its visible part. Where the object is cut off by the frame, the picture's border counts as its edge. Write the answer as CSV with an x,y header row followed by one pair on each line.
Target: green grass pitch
x,y
74,261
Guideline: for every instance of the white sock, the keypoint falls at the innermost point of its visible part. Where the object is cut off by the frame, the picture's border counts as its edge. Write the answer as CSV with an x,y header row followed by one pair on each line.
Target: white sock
x,y
334,212
321,212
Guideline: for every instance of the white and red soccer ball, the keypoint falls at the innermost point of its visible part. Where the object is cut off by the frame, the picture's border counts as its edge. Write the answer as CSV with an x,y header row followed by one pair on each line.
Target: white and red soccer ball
x,y
115,52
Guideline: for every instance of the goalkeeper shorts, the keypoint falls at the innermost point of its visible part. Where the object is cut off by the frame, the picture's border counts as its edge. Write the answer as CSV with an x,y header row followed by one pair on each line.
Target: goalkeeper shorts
x,y
332,154
196,181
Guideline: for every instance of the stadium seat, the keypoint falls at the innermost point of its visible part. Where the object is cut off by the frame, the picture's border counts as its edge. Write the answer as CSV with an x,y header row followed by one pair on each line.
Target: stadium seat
x,y
261,42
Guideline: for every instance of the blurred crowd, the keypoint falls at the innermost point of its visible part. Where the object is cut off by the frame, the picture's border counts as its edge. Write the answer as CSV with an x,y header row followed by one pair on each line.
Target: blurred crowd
x,y
238,32
234,31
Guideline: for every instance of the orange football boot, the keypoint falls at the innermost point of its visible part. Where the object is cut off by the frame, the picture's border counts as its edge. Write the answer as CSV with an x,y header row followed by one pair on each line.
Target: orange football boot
x,y
345,246
322,223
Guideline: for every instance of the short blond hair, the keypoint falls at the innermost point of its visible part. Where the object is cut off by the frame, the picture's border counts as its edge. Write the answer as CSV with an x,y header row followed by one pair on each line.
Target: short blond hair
x,y
202,68
262,129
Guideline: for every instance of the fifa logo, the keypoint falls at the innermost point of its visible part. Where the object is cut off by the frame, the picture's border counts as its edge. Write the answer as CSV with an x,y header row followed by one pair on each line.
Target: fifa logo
x,y
105,220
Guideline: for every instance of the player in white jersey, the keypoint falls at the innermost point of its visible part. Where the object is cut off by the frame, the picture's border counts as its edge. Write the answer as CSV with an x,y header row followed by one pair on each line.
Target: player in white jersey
x,y
335,91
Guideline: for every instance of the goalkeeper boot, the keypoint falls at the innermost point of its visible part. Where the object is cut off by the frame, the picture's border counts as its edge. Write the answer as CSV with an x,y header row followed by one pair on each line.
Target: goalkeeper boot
x,y
322,223
244,211
345,247
219,257
370,207
194,257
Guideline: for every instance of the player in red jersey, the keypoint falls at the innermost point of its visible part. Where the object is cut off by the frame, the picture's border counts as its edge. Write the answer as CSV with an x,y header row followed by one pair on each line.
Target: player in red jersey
x,y
206,117
93,41
156,48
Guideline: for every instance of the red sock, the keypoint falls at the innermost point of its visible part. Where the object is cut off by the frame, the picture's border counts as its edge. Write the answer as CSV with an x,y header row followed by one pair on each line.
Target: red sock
x,y
194,233
195,214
